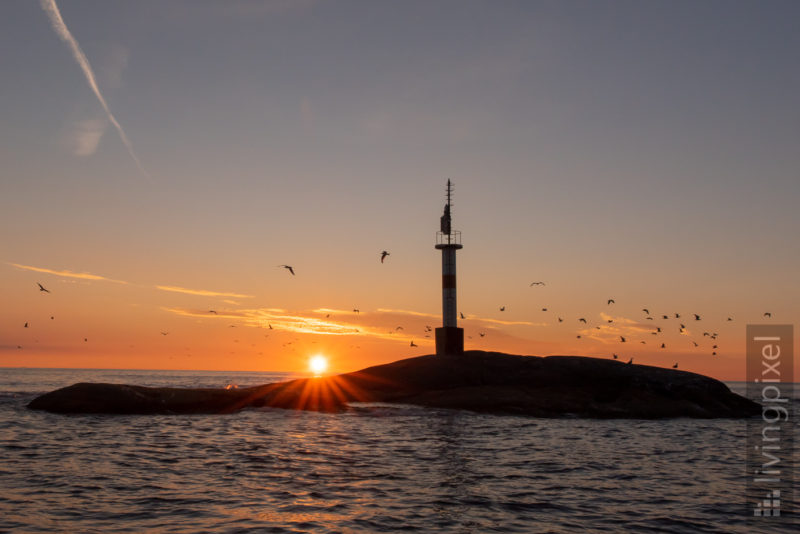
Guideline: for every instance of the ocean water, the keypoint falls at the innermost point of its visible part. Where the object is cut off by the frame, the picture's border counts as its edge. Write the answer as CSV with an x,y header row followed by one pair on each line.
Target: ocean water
x,y
374,468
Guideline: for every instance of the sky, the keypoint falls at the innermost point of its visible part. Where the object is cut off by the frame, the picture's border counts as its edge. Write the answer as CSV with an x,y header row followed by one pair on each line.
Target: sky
x,y
159,161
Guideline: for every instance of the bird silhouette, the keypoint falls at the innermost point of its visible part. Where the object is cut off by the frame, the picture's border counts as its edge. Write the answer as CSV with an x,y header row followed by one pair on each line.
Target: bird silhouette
x,y
481,334
713,353
213,311
383,255
269,325
462,315
413,344
768,314
427,328
663,346
675,366
579,336
621,339
502,308
560,320
537,284
677,315
658,329
42,288
696,317
646,311
582,320
356,310
649,318
730,318
611,301
398,328
615,356
288,267
544,309
695,343
26,325
665,316
630,361
164,333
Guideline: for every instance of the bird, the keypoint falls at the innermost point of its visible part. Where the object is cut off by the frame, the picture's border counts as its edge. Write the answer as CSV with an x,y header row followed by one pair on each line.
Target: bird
x,y
696,317
695,343
481,334
164,333
51,317
462,315
768,314
399,328
622,339
582,320
630,361
714,347
663,346
427,328
544,309
383,255
683,326
649,318
42,288
675,366
611,320
288,267
658,329
356,310
713,353
560,320
85,339
615,356
269,325
502,308
730,318
643,342
611,301
537,284
579,336
665,316
677,315
213,311
26,325
413,344
646,311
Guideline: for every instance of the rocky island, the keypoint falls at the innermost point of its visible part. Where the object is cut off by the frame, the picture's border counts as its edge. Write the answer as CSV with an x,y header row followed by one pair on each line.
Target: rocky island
x,y
487,382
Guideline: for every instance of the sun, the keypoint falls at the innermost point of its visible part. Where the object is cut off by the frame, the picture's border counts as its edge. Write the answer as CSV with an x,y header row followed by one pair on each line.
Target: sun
x,y
318,364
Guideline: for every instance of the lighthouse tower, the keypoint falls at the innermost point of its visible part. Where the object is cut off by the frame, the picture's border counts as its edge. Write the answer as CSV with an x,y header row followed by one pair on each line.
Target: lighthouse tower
x,y
449,338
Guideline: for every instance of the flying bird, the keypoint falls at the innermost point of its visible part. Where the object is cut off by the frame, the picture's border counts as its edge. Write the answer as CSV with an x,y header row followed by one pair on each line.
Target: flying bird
x,y
502,308
288,267
615,356
675,366
582,320
427,328
621,339
631,360
537,284
462,315
696,317
42,288
383,255
665,316
677,315
213,311
399,328
26,325
646,311
560,320
481,334
730,318
164,333
611,301
269,325
356,310
663,346
413,344
768,314
658,329
544,309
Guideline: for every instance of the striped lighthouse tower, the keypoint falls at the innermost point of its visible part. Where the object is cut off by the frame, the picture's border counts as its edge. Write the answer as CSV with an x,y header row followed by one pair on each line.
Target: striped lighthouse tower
x,y
449,338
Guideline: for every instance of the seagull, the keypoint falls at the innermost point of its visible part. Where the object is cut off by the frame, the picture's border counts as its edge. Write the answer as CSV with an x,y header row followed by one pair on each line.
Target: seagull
x,y
288,267
51,317
537,284
356,310
665,316
768,314
649,318
427,328
611,301
502,308
683,326
582,320
677,315
730,318
695,343
413,344
675,366
663,346
621,339
269,325
696,317
544,309
615,356
579,336
26,325
462,315
213,311
481,334
631,360
713,353
383,255
398,328
42,288
658,329
646,311
560,320
164,333
714,347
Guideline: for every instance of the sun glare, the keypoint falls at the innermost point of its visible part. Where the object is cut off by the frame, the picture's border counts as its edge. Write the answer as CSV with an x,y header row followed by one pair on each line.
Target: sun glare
x,y
318,364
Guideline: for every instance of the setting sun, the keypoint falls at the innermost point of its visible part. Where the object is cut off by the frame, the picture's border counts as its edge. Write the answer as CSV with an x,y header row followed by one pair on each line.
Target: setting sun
x,y
318,364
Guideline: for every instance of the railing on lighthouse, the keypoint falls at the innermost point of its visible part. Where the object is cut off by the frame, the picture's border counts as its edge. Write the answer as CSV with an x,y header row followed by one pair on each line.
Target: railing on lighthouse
x,y
449,338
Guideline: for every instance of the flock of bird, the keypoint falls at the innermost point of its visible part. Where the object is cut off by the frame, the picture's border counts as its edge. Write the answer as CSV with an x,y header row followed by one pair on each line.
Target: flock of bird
x,y
682,328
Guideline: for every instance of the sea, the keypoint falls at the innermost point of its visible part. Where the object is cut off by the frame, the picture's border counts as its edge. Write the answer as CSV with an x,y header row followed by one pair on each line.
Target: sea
x,y
373,468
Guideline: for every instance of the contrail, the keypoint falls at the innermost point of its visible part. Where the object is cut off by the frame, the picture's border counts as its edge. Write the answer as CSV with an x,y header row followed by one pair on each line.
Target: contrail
x,y
63,32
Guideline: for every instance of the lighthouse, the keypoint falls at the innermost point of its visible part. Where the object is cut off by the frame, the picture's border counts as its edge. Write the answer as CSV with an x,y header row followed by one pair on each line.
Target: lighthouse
x,y
449,338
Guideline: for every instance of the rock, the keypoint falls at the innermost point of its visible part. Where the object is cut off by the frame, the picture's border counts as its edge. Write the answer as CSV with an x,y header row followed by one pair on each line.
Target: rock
x,y
486,382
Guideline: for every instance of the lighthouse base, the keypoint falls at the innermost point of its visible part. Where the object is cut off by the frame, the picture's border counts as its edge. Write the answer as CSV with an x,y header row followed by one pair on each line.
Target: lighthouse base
x,y
449,340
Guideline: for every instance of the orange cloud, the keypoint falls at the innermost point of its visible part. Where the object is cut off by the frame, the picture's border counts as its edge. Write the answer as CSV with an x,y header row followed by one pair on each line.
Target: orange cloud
x,y
68,274
202,292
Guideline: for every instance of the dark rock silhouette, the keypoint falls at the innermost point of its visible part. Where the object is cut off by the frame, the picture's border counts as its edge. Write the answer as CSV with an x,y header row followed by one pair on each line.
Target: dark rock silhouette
x,y
479,381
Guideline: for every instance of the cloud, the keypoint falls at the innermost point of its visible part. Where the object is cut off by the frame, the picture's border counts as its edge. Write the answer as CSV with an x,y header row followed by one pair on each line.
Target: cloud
x,y
68,274
202,292
85,135
53,13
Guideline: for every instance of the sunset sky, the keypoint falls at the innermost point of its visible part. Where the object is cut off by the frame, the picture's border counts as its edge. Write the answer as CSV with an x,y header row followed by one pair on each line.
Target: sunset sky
x,y
159,160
